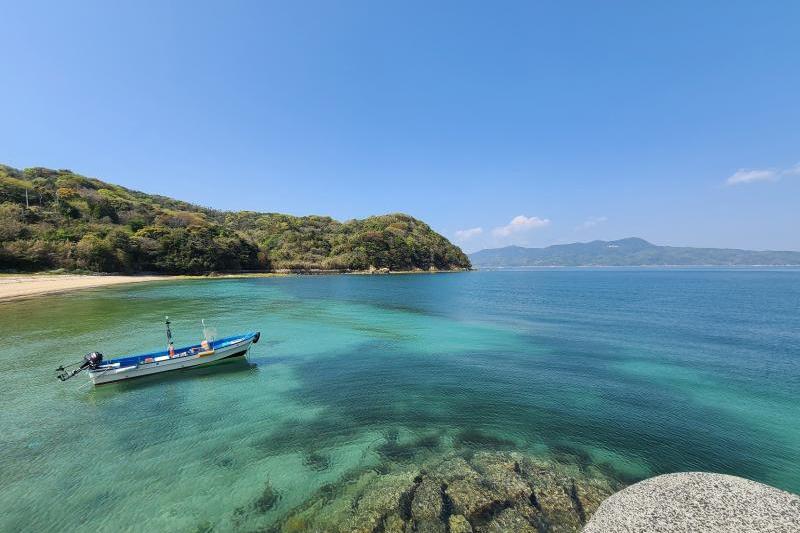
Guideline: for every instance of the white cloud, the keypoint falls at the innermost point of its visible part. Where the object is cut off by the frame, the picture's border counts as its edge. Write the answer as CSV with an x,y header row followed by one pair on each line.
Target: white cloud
x,y
519,224
793,171
466,234
591,222
751,176
744,175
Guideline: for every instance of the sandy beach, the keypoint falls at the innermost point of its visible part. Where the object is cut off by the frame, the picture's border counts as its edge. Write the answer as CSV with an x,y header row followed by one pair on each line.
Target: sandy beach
x,y
24,286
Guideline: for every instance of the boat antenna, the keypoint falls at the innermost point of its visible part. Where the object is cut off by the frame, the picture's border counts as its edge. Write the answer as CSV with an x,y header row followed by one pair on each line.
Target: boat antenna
x,y
169,338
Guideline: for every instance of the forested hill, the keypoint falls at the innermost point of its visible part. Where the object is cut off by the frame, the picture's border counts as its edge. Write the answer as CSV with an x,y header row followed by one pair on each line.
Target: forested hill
x,y
72,222
627,252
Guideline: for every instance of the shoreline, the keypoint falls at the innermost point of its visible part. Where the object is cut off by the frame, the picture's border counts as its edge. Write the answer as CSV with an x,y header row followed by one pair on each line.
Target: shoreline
x,y
23,286
19,286
672,267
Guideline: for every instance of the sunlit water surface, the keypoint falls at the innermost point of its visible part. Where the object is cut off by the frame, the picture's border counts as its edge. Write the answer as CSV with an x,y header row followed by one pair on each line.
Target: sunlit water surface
x,y
640,371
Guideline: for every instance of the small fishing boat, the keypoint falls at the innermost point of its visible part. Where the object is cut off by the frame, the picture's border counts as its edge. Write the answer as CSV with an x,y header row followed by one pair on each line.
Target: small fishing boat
x,y
208,351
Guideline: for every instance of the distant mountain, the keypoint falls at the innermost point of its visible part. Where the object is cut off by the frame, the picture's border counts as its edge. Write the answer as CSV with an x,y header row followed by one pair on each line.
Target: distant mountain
x,y
51,219
627,252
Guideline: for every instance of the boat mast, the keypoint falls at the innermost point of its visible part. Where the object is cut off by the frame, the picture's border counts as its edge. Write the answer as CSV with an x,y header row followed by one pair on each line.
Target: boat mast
x,y
169,338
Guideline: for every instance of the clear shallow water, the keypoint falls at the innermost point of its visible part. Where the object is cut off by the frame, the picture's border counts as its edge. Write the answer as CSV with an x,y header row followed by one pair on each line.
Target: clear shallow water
x,y
639,371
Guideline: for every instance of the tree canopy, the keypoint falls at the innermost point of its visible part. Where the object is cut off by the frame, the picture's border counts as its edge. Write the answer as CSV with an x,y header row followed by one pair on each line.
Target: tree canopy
x,y
51,219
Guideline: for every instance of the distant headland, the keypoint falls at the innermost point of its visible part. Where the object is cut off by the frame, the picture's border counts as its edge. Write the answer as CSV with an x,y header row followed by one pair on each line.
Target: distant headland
x,y
628,252
57,219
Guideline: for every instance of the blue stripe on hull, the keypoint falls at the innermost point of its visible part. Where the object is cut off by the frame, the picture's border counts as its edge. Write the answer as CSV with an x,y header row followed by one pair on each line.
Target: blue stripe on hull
x,y
201,365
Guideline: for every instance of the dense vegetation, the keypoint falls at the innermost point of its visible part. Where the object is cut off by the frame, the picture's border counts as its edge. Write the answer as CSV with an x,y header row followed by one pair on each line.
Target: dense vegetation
x,y
627,252
72,222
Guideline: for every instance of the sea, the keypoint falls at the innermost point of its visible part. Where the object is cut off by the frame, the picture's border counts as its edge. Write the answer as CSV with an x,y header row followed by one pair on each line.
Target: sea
x,y
637,372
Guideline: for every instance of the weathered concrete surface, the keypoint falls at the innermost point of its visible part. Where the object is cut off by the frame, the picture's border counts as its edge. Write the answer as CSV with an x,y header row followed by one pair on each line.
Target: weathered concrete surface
x,y
697,502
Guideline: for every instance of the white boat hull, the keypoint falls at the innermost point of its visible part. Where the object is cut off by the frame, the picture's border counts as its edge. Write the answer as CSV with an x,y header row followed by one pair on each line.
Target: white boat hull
x,y
111,373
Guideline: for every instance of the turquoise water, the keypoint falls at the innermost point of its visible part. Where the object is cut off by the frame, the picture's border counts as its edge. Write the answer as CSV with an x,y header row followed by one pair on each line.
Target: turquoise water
x,y
638,371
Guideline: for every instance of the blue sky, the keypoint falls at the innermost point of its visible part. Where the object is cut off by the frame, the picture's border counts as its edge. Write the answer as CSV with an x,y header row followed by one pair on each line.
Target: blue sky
x,y
497,122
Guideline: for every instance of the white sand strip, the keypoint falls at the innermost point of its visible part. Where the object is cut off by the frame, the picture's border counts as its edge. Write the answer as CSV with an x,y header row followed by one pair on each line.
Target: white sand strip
x,y
22,286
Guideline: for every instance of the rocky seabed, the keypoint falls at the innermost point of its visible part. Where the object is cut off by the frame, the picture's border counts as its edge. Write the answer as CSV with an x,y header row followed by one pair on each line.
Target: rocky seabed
x,y
484,492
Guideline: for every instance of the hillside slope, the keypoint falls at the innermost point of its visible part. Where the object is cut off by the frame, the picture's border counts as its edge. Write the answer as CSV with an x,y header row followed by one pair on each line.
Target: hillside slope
x,y
75,222
626,252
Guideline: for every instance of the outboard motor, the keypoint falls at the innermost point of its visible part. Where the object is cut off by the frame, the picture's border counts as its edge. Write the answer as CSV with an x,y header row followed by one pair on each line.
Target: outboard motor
x,y
93,359
90,360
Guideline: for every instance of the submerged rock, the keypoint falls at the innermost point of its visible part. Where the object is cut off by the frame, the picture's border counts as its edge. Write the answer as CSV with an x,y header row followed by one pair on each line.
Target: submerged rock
x,y
511,519
459,524
316,461
503,473
377,501
426,507
486,492
470,498
394,524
